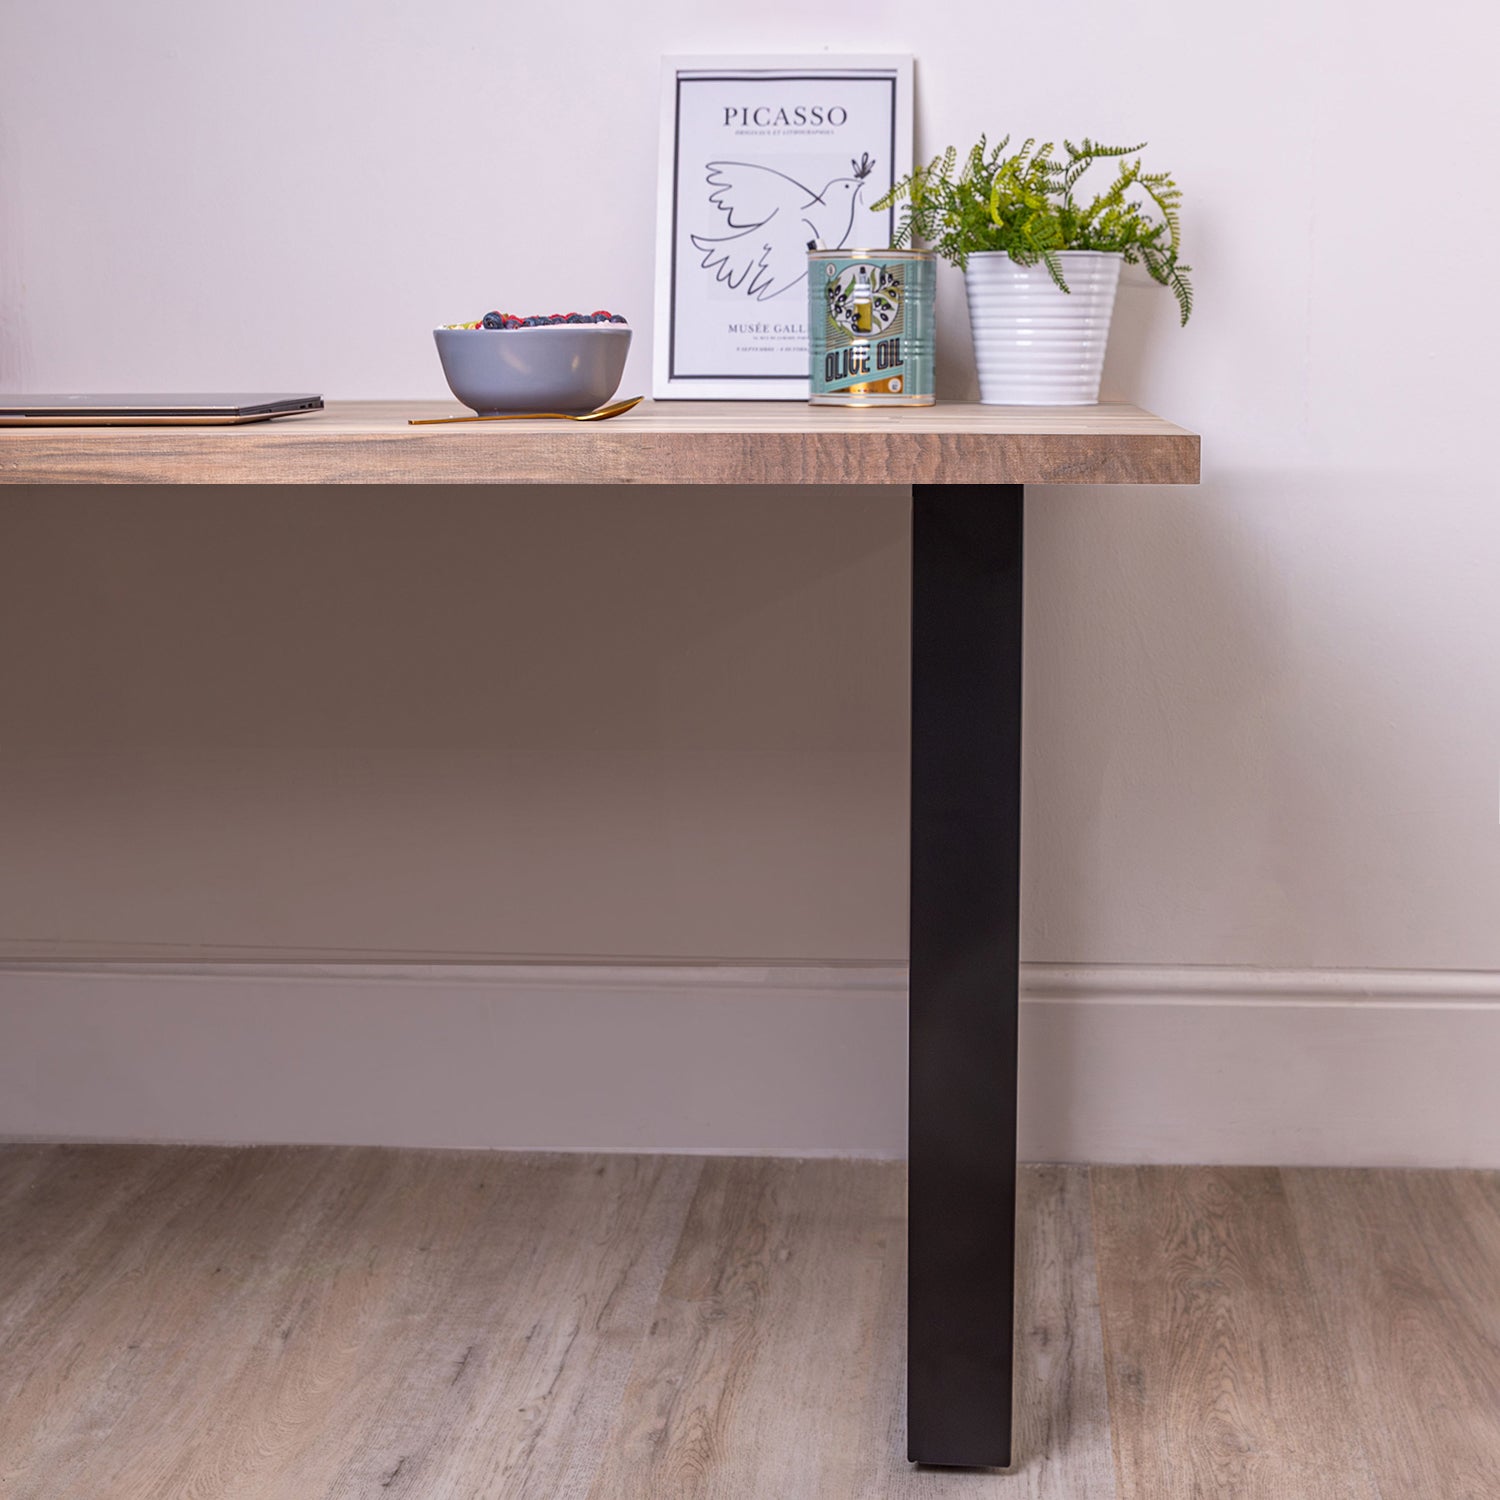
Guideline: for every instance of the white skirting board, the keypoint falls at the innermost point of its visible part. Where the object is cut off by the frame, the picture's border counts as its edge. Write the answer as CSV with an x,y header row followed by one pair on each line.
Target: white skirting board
x,y
1118,1063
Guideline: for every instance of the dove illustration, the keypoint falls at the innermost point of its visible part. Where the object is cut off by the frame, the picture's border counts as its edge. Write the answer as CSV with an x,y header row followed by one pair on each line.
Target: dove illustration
x,y
772,218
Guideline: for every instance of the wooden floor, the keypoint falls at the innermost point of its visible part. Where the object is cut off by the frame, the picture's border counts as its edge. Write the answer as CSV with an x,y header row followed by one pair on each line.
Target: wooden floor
x,y
308,1322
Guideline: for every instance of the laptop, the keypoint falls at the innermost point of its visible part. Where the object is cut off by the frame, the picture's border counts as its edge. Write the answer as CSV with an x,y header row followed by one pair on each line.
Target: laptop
x,y
52,410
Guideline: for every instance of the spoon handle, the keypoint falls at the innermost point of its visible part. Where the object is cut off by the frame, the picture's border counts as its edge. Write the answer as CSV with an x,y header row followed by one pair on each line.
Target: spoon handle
x,y
599,414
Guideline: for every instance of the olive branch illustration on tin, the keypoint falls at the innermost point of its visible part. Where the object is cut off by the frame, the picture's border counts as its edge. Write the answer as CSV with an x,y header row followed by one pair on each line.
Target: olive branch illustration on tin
x,y
876,288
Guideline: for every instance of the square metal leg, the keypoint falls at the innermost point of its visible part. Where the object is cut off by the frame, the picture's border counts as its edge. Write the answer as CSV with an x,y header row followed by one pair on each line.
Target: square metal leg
x,y
965,897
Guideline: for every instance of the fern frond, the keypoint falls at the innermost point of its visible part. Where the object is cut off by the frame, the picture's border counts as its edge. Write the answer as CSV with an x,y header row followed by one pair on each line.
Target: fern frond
x,y
1093,149
1165,194
1182,289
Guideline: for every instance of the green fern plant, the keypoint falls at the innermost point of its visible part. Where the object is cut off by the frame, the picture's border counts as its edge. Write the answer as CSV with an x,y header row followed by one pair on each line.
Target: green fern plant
x,y
1025,204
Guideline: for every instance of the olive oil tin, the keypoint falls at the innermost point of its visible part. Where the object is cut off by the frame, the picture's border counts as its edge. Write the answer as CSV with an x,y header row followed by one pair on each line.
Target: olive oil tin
x,y
870,327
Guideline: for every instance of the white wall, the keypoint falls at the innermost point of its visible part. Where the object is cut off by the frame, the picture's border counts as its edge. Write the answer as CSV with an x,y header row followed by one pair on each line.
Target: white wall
x,y
1262,719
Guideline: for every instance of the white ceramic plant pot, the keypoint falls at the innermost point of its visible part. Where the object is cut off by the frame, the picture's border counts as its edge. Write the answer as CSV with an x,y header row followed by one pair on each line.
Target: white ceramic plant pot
x,y
1036,345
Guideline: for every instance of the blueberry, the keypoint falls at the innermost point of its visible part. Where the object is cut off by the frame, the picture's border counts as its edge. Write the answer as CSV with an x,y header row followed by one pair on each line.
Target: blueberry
x,y
532,322
578,318
616,318
493,320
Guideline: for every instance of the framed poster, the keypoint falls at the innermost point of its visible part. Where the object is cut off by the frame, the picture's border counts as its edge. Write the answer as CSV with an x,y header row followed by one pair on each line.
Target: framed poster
x,y
760,156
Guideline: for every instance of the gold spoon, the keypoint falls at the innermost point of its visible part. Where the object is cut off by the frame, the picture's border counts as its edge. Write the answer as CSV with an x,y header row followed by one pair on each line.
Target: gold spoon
x,y
599,414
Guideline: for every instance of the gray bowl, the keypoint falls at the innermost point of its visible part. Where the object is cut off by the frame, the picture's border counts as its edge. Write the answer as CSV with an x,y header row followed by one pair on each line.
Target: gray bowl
x,y
571,367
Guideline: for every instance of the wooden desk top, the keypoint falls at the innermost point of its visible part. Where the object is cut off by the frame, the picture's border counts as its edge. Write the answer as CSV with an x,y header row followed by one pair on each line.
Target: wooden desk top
x,y
670,442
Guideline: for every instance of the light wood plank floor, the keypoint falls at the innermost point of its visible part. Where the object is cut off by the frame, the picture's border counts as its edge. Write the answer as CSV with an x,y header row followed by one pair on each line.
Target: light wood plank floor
x,y
184,1323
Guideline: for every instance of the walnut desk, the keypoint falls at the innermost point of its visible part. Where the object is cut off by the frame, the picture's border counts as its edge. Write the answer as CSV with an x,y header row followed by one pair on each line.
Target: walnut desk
x,y
967,466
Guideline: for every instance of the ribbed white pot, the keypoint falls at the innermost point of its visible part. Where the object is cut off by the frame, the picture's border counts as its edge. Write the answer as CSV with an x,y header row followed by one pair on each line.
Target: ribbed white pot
x,y
1034,344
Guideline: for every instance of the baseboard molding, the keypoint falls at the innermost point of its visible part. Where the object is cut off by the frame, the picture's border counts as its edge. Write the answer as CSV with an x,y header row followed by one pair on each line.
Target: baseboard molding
x,y
1119,1062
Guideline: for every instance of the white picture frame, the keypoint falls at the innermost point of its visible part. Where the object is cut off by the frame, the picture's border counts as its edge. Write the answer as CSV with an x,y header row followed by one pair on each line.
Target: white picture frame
x,y
741,140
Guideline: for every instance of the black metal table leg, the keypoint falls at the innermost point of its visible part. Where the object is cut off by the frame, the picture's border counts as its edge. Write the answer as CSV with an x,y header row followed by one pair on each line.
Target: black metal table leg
x,y
965,890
